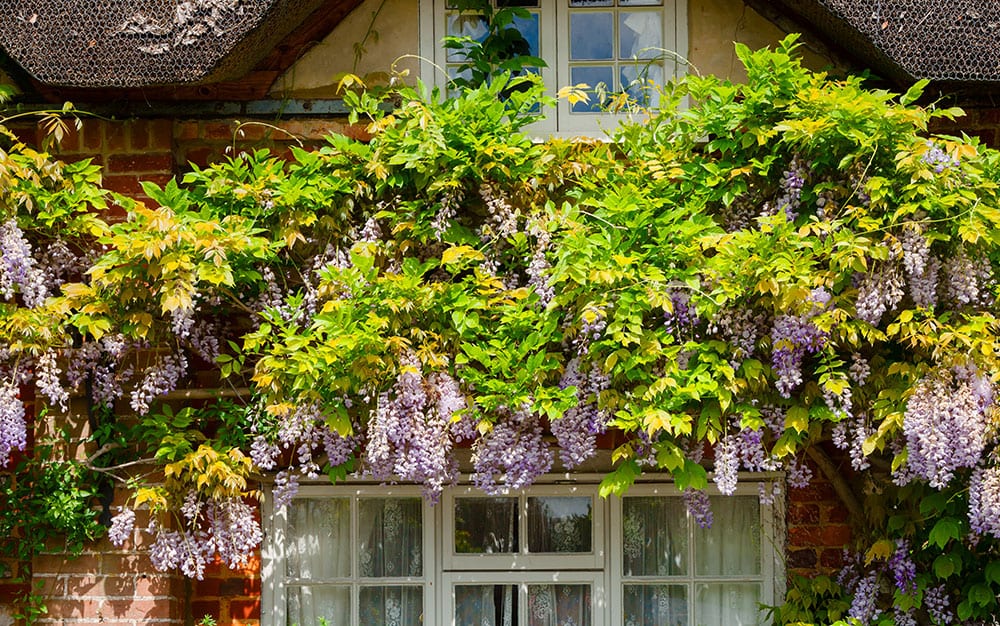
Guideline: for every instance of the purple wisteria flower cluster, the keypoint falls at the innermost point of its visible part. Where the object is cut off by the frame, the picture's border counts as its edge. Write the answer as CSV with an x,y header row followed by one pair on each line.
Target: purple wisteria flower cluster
x,y
227,528
13,428
512,454
409,434
945,424
793,337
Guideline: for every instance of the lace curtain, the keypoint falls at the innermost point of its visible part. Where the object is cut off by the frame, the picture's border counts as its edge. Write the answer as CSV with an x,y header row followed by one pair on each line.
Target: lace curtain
x,y
387,543
657,534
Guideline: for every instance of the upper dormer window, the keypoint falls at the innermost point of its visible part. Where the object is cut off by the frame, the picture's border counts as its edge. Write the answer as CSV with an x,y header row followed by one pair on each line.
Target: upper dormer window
x,y
613,46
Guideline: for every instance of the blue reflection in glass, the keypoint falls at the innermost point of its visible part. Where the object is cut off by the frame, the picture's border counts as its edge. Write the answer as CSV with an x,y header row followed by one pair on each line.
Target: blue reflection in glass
x,y
593,76
591,36
641,34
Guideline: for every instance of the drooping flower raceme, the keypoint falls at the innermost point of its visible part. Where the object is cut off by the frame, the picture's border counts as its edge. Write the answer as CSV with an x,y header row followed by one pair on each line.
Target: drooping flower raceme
x,y
13,428
945,425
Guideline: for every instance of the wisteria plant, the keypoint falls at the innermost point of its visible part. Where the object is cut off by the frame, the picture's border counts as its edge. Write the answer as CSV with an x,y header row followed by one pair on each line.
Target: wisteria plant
x,y
779,268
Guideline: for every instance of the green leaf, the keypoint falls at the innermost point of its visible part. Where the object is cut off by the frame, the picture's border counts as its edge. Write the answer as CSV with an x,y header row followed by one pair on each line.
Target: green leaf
x,y
618,481
946,529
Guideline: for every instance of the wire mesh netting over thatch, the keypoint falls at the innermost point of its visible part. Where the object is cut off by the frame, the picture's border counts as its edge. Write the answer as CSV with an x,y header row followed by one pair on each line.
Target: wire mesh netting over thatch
x,y
134,43
947,40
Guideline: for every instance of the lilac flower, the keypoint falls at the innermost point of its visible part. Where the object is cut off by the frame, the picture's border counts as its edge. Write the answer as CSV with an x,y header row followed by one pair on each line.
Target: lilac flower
x,y
699,506
286,486
121,527
727,464
944,425
13,428
937,158
984,501
514,452
576,431
158,379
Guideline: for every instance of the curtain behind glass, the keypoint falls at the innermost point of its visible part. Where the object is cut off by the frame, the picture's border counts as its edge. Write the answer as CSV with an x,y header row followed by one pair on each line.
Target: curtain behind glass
x,y
731,547
319,548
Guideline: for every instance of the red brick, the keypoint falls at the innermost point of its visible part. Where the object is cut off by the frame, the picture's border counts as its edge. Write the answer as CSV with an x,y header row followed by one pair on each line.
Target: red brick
x,y
219,130
147,162
819,536
252,131
161,134
154,585
116,136
208,588
62,609
59,564
96,159
816,491
201,156
832,557
245,609
124,184
137,608
835,513
93,134
9,591
803,513
188,129
100,586
201,608
71,141
802,559
138,135
133,564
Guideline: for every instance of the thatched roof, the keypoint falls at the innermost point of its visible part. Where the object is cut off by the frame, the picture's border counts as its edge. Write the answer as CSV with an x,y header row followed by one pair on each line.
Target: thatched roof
x,y
951,41
139,43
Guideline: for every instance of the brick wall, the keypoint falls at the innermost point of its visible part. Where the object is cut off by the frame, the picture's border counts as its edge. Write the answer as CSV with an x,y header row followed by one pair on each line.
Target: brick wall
x,y
119,586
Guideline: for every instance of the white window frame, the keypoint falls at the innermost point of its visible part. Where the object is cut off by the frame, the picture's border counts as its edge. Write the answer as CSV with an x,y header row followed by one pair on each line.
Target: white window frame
x,y
276,583
554,49
524,560
771,539
442,570
596,580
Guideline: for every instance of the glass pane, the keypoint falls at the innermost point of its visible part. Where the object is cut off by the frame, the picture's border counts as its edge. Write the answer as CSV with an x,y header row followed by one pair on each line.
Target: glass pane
x,y
391,537
319,538
591,36
308,605
486,525
391,606
528,27
517,3
731,547
732,604
593,76
640,34
591,3
655,536
656,605
640,3
641,81
556,605
465,25
485,605
560,524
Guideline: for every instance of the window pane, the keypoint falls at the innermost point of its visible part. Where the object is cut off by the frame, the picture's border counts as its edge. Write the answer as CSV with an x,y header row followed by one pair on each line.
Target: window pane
x,y
319,538
640,3
655,536
560,524
390,537
593,76
591,36
641,34
591,3
640,81
528,27
656,605
308,605
486,525
731,604
465,25
555,605
391,606
485,605
731,547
